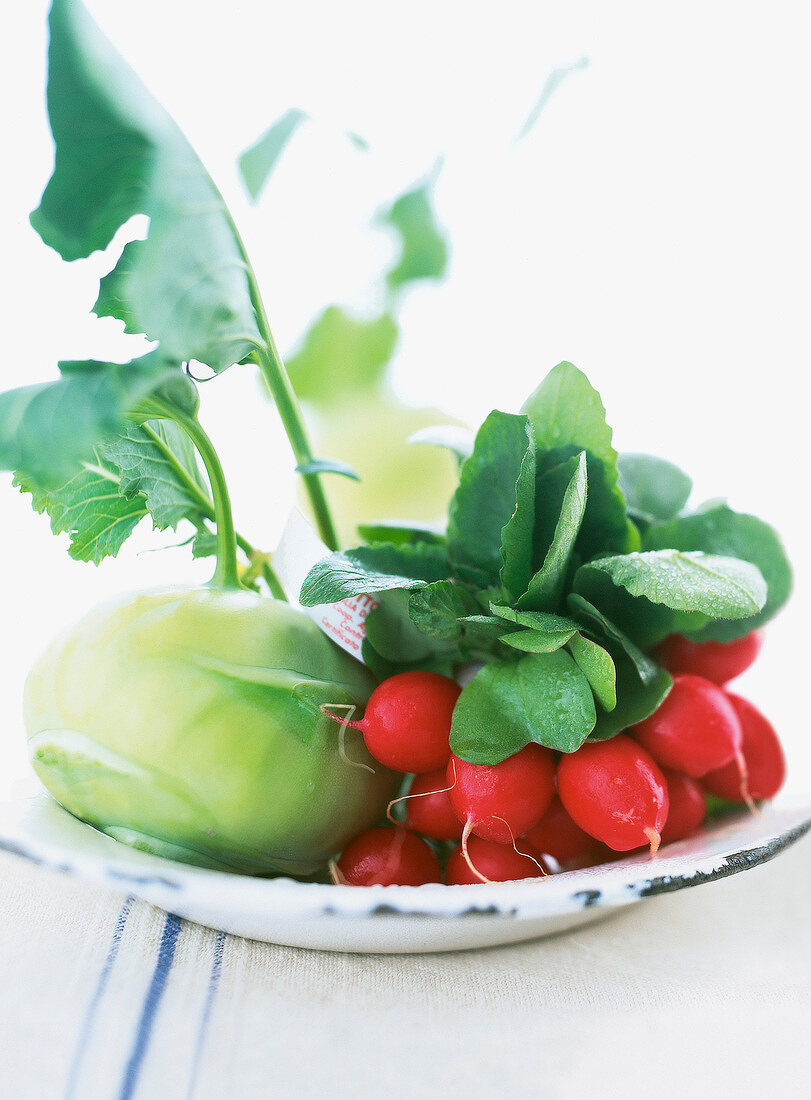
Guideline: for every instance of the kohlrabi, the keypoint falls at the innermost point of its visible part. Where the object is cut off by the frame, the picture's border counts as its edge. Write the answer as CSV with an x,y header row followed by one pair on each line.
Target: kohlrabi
x,y
185,722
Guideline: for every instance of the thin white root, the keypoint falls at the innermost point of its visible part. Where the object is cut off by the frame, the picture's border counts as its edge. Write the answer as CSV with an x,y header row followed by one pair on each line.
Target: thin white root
x,y
743,771
336,874
655,840
405,797
465,834
518,851
350,709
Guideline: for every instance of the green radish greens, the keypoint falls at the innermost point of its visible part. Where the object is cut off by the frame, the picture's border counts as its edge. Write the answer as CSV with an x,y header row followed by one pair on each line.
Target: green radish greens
x,y
188,722
561,565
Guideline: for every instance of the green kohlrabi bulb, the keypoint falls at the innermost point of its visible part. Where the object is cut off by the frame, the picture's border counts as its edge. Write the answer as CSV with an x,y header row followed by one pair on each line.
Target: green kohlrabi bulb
x,y
185,723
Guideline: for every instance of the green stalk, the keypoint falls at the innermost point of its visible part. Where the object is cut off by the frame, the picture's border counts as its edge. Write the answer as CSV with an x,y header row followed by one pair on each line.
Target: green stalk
x,y
278,382
226,574
206,506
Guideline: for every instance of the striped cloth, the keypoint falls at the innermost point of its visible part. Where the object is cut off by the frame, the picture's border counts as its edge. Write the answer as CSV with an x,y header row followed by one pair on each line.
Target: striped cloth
x,y
106,998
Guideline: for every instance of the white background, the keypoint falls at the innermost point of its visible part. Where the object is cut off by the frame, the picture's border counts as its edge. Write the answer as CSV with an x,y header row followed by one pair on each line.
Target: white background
x,y
653,229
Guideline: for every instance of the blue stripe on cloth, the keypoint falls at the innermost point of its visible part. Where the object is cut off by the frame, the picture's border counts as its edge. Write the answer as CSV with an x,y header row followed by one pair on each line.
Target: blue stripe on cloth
x,y
163,964
89,1020
202,1029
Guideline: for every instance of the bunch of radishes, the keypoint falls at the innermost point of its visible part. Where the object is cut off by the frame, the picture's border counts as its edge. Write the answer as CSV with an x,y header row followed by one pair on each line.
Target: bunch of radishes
x,y
539,809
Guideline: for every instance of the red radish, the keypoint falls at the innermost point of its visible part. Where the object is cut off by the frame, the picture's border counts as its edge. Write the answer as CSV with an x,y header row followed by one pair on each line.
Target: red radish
x,y
688,805
616,792
558,836
490,862
407,721
501,801
716,661
694,731
762,753
428,807
387,857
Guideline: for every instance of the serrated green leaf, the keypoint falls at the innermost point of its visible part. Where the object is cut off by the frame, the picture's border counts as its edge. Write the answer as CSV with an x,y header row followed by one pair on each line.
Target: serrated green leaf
x,y
543,698
492,494
48,431
546,587
91,510
256,164
717,529
655,489
424,253
597,665
340,354
158,460
692,582
370,569
118,153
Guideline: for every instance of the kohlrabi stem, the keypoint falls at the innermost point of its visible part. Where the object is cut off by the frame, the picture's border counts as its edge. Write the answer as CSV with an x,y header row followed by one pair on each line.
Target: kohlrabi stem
x,y
226,574
278,382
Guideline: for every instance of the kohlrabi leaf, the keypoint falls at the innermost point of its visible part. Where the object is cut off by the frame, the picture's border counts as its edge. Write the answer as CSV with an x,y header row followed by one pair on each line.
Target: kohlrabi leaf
x,y
720,530
693,582
369,569
541,697
550,86
597,665
340,353
258,161
494,496
158,460
118,153
438,608
328,466
91,509
636,700
546,587
454,438
48,431
654,488
424,253
144,470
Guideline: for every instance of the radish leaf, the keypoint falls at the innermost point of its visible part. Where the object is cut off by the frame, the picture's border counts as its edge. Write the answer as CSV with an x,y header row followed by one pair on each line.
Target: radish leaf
x,y
542,697
720,530
494,496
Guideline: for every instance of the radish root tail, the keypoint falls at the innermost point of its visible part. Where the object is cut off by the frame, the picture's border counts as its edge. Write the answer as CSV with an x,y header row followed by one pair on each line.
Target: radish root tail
x,y
655,839
350,709
743,771
465,834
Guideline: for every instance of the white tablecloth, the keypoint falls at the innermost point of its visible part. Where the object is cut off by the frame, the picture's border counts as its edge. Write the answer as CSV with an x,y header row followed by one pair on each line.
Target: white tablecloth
x,y
702,993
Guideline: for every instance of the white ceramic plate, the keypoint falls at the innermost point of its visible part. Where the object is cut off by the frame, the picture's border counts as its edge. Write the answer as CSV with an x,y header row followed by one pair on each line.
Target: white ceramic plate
x,y
395,918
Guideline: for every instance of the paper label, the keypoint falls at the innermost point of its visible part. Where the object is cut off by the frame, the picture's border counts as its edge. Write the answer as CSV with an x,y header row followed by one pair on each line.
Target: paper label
x,y
298,550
